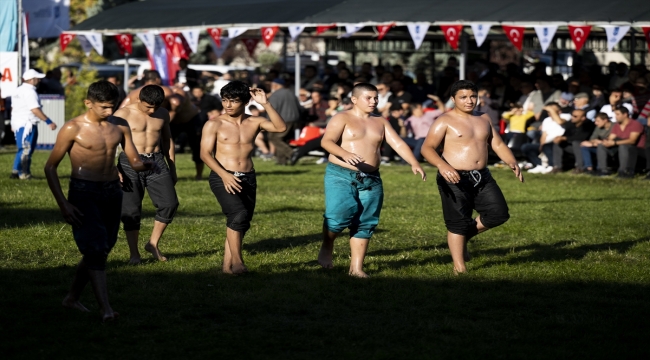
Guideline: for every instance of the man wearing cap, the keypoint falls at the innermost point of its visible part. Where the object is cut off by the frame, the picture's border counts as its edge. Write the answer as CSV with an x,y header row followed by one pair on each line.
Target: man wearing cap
x,y
26,113
287,105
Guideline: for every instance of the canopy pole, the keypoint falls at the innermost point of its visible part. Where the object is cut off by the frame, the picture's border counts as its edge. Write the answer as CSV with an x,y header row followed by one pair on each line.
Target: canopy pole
x,y
20,41
632,46
297,68
463,56
354,59
284,52
125,80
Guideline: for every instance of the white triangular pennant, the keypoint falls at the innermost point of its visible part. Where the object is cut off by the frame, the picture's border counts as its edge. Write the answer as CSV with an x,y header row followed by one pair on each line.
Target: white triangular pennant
x,y
614,35
233,32
95,41
220,50
149,41
295,30
545,35
418,32
192,38
85,44
480,33
351,29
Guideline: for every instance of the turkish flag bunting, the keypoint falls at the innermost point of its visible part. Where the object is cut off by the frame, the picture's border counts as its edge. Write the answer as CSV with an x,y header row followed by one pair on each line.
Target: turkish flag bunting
x,y
383,29
268,33
124,43
646,31
515,34
452,34
322,28
183,47
579,35
170,40
251,44
65,39
215,34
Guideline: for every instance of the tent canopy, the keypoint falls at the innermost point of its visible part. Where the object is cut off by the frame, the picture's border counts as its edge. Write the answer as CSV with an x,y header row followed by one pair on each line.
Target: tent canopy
x,y
175,14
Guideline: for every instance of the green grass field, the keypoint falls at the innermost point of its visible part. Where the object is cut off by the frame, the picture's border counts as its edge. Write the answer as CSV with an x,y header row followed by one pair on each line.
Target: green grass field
x,y
567,277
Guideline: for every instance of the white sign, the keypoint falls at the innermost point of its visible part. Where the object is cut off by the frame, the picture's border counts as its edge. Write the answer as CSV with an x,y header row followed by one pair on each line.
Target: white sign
x,y
149,41
545,35
295,30
95,41
351,29
418,31
192,38
47,18
614,35
233,32
481,32
8,73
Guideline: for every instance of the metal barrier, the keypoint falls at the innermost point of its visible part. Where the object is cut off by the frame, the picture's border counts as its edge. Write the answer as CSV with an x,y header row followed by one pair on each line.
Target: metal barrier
x,y
54,107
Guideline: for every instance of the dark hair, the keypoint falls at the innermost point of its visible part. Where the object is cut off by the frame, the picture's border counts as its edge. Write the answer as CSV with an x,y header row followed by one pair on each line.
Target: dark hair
x,y
236,90
152,94
253,107
415,105
103,91
623,109
603,116
463,85
363,87
151,75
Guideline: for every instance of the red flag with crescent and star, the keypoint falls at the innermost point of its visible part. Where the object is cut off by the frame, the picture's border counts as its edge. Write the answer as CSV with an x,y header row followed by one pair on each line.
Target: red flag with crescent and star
x,y
515,34
65,39
322,28
452,34
124,43
383,29
170,40
251,44
268,33
646,32
215,34
579,35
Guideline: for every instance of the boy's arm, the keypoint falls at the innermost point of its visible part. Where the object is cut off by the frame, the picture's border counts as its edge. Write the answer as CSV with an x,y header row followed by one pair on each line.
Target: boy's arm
x,y
276,124
167,145
504,153
332,135
434,138
64,141
403,150
207,152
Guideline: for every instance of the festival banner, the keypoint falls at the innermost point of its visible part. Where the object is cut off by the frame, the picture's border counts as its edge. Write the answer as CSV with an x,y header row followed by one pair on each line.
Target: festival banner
x,y
579,35
614,35
452,34
8,73
481,32
515,34
192,38
85,44
182,49
268,33
251,44
170,40
383,29
295,31
646,32
322,28
351,29
220,48
418,31
160,59
25,55
64,40
124,43
545,35
233,32
215,34
95,39
149,41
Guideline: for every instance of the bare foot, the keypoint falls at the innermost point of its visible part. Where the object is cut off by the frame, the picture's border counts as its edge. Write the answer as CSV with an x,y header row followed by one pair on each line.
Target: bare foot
x,y
239,269
325,259
226,269
135,261
459,272
358,274
109,316
73,304
155,252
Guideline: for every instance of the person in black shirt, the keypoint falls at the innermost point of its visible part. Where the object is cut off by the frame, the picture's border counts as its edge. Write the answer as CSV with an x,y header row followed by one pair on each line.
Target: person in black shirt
x,y
576,131
204,102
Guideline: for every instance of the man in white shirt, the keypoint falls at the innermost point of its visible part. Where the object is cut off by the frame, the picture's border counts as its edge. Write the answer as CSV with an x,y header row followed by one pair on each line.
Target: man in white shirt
x,y
551,128
26,113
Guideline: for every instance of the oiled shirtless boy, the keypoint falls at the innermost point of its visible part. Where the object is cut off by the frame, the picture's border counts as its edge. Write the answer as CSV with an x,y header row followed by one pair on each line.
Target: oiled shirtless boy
x,y
149,124
464,182
226,147
353,188
94,199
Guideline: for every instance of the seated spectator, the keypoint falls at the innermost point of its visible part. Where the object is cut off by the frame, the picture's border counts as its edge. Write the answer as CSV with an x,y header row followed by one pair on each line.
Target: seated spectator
x,y
544,95
264,151
400,97
487,106
625,141
589,147
581,102
614,100
565,101
421,88
383,103
309,78
551,128
418,125
576,131
518,120
317,113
